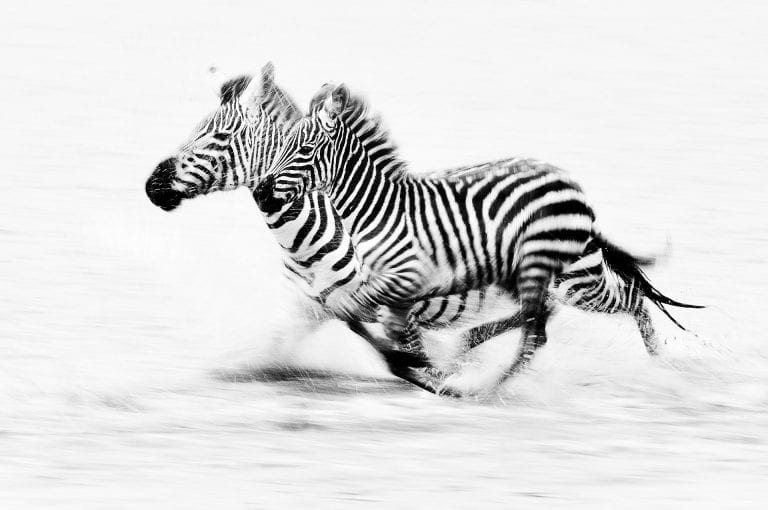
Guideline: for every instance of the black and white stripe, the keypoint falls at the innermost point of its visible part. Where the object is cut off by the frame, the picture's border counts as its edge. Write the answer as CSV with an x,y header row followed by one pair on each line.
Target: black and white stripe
x,y
515,223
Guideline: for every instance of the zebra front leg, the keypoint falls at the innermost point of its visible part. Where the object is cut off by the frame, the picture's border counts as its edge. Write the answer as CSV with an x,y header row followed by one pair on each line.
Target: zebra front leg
x,y
647,331
394,357
404,365
400,326
408,361
396,315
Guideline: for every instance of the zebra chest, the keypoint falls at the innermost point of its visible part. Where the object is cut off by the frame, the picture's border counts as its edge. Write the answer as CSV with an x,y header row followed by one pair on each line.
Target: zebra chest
x,y
323,274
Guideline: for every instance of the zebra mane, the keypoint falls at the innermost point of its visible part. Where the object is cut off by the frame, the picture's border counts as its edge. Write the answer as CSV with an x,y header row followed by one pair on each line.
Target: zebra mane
x,y
276,102
281,107
372,134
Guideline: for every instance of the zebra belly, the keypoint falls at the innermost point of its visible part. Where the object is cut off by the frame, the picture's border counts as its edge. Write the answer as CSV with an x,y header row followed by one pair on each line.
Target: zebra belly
x,y
465,309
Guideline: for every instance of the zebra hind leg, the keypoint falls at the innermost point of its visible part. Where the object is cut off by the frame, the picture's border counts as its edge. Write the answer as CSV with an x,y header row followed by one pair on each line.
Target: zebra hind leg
x,y
647,331
478,335
634,289
534,313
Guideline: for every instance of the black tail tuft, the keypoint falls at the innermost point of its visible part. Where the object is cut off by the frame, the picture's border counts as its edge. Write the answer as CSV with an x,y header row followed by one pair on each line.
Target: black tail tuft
x,y
629,268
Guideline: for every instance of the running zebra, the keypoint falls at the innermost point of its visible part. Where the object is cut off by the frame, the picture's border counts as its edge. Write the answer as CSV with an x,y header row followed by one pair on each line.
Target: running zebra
x,y
516,223
233,147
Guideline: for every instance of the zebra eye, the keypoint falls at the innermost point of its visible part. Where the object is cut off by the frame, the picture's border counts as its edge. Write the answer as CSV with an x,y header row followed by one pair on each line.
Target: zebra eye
x,y
221,137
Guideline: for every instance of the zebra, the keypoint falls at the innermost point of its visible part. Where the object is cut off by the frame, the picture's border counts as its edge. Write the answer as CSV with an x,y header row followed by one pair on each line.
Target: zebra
x,y
233,147
517,223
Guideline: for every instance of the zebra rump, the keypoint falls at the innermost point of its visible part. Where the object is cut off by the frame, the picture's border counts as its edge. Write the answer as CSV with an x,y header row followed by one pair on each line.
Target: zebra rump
x,y
609,279
629,267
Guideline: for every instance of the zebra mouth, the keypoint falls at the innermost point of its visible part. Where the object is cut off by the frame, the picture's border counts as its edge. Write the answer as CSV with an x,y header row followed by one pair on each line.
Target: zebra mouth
x,y
166,199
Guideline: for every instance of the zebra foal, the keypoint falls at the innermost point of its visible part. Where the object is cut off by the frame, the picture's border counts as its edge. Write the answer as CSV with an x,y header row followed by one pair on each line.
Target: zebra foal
x,y
517,223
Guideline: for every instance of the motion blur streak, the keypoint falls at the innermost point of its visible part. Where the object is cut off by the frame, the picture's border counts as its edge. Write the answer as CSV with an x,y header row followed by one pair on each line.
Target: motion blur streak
x,y
129,336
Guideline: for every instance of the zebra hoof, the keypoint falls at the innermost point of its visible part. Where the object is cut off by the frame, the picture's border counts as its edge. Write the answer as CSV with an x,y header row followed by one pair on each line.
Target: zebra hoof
x,y
447,391
419,377
397,359
436,373
433,380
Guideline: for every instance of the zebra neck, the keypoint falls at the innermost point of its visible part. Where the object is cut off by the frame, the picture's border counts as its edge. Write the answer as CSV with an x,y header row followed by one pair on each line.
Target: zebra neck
x,y
266,139
365,200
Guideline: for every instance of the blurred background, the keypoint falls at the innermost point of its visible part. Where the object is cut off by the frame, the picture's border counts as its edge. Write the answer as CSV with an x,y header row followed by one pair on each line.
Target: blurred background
x,y
126,332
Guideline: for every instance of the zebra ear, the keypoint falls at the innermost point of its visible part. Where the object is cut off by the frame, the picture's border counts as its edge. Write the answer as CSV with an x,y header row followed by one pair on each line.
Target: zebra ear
x,y
336,102
317,100
257,88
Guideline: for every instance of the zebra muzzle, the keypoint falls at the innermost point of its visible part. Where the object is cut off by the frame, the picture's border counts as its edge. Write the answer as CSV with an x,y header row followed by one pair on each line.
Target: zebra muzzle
x,y
265,198
159,189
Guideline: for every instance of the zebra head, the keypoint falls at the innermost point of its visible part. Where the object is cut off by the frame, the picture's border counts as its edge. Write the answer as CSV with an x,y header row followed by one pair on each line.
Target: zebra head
x,y
232,146
306,160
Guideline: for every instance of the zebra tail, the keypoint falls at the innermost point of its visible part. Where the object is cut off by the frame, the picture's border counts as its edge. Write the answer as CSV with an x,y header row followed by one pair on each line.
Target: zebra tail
x,y
629,268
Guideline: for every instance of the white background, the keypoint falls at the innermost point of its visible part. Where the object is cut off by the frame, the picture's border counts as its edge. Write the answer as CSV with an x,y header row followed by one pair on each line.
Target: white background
x,y
117,320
